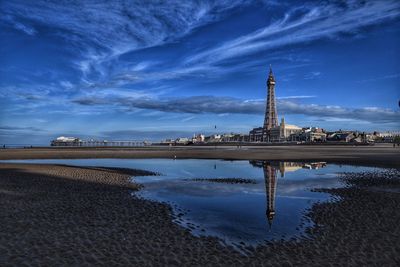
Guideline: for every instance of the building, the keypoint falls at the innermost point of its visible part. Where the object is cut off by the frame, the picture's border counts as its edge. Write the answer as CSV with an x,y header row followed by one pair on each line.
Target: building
x,y
182,141
213,138
283,132
256,135
387,136
198,138
341,136
234,137
310,134
66,141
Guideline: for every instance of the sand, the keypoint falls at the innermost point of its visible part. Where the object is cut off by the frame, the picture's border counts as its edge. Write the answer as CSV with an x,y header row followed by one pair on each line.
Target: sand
x,y
55,215
378,155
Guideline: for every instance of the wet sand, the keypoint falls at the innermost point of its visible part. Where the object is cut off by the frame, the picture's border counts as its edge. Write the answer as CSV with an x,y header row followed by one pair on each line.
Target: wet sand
x,y
377,155
56,215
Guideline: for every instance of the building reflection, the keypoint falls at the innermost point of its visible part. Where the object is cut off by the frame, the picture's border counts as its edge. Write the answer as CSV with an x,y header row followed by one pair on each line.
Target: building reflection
x,y
270,170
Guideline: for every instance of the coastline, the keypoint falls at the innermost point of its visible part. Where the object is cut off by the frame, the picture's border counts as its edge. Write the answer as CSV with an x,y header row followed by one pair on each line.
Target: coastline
x,y
382,155
64,215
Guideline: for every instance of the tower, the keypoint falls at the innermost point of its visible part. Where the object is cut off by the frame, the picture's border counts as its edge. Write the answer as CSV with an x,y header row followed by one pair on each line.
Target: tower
x,y
271,116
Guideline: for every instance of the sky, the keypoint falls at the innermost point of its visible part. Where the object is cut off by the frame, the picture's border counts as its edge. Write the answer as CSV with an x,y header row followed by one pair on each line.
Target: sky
x,y
135,70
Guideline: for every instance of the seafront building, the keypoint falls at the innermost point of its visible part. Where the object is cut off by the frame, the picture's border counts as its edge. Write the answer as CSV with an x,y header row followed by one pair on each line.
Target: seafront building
x,y
66,141
284,132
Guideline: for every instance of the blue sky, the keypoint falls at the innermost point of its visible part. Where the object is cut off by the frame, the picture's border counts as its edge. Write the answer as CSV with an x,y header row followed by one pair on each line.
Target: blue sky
x,y
158,69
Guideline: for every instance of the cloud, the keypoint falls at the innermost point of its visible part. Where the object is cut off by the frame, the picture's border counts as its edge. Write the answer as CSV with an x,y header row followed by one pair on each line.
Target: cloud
x,y
103,30
155,134
17,130
14,128
296,97
301,25
188,119
379,78
230,105
25,28
312,75
18,25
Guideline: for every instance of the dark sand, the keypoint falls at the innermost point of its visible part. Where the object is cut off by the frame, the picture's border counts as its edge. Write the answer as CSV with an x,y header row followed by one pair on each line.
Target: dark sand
x,y
55,215
378,155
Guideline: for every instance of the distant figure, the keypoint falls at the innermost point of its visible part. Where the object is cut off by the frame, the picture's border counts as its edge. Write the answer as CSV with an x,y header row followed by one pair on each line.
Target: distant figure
x,y
394,144
4,146
174,157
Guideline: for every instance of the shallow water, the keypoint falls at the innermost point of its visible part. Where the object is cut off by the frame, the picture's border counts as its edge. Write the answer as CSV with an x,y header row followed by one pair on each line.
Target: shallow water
x,y
267,202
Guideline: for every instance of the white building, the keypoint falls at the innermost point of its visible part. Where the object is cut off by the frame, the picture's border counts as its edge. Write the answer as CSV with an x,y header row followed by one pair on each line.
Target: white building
x,y
283,131
66,141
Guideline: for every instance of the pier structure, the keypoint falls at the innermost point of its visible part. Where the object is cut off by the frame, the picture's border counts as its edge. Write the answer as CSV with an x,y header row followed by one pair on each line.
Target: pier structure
x,y
76,142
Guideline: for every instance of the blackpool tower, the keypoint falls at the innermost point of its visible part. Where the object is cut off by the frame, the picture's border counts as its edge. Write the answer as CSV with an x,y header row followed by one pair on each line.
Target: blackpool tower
x,y
271,116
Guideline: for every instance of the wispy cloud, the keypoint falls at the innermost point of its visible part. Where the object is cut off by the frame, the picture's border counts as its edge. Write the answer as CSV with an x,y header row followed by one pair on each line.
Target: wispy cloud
x,y
18,25
296,97
315,22
229,105
18,128
299,25
25,28
188,119
312,75
103,30
379,78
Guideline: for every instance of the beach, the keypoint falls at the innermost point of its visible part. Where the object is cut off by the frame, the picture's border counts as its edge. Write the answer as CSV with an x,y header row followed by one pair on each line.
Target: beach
x,y
384,155
63,215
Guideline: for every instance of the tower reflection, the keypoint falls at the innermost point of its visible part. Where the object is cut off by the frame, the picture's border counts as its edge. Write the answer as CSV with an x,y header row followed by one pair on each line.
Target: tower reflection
x,y
270,170
270,189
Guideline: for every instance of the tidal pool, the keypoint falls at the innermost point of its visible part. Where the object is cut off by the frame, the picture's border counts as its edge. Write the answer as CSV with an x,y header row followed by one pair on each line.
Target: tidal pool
x,y
240,202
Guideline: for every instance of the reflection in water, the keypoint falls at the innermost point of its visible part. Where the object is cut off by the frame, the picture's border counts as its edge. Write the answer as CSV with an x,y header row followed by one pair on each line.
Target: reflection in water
x,y
270,188
270,170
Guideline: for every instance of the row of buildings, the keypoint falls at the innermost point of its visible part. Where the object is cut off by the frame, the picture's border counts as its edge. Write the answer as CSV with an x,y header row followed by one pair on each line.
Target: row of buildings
x,y
281,134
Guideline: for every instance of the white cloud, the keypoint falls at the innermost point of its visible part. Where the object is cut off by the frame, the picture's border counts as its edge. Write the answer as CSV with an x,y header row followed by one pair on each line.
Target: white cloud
x,y
315,23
